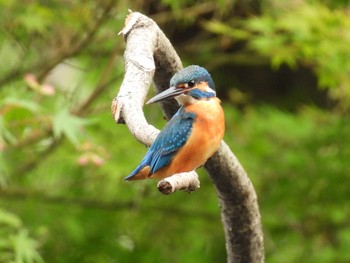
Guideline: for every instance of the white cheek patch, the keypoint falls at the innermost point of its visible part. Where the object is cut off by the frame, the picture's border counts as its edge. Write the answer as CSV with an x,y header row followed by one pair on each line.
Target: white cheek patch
x,y
184,99
207,89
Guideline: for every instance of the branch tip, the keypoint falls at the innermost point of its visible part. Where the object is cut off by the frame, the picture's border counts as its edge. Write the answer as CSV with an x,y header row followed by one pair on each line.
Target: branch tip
x,y
130,21
116,110
165,187
187,182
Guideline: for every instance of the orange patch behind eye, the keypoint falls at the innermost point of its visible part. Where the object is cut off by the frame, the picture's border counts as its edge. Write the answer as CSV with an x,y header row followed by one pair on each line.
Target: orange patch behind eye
x,y
203,86
182,86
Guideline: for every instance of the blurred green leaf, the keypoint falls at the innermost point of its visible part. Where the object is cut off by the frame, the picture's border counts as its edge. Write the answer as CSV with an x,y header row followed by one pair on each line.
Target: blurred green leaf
x,y
15,243
31,106
9,219
5,134
25,248
64,123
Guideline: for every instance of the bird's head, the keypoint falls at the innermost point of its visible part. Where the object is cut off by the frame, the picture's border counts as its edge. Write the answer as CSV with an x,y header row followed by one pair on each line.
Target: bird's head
x,y
188,85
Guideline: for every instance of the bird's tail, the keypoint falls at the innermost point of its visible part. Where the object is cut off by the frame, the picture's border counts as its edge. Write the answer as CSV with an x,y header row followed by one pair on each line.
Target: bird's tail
x,y
143,171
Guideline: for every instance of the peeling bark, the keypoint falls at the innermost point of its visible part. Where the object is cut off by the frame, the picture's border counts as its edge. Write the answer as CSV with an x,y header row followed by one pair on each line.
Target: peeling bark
x,y
150,56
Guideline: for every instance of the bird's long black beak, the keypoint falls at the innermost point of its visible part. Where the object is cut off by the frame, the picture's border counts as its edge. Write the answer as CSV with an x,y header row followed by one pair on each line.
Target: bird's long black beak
x,y
166,94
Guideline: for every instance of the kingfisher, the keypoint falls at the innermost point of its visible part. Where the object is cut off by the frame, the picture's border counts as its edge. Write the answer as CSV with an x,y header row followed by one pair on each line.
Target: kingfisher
x,y
192,135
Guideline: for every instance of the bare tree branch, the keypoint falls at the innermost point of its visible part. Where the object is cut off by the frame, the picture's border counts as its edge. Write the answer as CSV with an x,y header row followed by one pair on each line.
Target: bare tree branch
x,y
149,54
239,207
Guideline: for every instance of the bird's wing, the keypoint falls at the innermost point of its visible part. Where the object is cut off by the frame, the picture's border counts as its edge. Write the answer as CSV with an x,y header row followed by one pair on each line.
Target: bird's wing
x,y
173,136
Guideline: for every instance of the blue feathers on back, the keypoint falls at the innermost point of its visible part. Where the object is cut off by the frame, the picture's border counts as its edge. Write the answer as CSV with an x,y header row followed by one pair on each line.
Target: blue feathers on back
x,y
173,136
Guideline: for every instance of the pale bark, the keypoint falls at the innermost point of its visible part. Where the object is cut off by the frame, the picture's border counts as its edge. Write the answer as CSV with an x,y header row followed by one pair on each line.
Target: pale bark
x,y
150,56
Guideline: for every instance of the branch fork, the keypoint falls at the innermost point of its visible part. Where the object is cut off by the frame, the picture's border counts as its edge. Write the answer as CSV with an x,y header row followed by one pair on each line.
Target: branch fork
x,y
149,56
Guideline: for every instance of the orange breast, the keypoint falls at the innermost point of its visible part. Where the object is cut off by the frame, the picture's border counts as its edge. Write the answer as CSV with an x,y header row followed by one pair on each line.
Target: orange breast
x,y
207,133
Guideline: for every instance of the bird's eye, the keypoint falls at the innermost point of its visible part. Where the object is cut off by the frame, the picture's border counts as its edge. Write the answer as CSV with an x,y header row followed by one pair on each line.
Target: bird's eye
x,y
191,83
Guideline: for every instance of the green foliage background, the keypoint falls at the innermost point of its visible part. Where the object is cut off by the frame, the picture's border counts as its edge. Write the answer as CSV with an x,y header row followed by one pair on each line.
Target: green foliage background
x,y
282,71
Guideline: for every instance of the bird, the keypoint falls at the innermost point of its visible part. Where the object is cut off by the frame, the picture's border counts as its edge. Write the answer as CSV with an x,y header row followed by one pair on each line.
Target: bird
x,y
192,135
